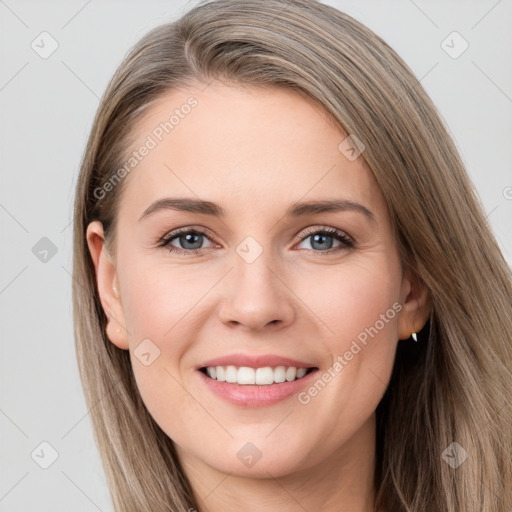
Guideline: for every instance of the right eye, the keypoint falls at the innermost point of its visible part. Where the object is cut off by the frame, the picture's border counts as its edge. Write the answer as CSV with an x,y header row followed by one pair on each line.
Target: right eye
x,y
186,237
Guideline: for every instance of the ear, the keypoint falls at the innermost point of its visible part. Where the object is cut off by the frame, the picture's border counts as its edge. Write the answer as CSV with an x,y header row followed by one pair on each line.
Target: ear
x,y
108,285
417,305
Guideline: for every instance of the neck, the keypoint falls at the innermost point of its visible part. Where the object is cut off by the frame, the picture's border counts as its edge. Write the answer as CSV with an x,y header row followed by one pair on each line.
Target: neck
x,y
343,482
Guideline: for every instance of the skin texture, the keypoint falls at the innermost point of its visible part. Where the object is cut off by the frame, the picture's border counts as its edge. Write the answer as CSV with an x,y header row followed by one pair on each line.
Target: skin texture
x,y
254,152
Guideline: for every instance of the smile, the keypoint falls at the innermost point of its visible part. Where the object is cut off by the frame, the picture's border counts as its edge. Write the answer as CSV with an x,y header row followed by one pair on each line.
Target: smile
x,y
245,375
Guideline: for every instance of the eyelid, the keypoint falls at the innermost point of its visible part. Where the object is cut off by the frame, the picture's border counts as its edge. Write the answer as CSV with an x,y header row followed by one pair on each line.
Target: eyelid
x,y
324,229
165,240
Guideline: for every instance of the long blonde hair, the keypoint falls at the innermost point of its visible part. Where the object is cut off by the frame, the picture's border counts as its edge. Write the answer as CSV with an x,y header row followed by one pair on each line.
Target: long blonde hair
x,y
454,385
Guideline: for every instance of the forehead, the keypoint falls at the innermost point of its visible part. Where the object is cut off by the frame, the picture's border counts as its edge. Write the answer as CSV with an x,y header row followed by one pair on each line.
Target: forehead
x,y
245,147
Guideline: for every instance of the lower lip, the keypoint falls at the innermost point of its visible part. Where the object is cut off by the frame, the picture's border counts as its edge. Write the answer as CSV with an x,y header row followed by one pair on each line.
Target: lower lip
x,y
252,395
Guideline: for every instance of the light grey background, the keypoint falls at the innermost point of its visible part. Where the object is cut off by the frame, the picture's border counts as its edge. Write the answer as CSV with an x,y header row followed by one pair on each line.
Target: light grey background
x,y
47,107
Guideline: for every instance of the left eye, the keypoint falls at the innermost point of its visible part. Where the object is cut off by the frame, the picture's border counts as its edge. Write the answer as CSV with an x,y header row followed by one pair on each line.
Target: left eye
x,y
318,238
190,241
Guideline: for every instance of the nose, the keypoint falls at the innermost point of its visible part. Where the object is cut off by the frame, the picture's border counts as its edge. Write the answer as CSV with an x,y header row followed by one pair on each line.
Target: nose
x,y
257,296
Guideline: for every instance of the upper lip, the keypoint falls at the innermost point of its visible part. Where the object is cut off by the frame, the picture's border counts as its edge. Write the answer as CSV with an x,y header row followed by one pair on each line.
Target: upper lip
x,y
254,361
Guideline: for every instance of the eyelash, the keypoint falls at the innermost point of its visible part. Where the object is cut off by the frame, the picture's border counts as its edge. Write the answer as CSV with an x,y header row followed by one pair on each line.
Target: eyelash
x,y
339,235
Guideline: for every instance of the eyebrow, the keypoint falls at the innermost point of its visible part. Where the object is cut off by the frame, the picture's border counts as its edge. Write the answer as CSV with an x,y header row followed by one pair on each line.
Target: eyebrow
x,y
297,209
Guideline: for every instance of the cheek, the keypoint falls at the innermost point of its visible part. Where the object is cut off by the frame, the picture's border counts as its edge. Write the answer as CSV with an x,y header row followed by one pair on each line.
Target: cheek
x,y
359,302
159,300
161,305
157,305
352,298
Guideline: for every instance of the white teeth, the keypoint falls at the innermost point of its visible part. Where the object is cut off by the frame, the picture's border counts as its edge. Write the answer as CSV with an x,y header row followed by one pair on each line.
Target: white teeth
x,y
231,374
246,375
291,373
301,372
264,376
260,376
220,373
280,374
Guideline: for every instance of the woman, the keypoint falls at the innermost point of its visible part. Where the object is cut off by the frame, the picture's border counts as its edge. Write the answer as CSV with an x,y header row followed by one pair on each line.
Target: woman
x,y
337,335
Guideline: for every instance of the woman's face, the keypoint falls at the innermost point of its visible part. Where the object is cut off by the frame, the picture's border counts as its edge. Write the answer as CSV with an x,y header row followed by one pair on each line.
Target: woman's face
x,y
266,292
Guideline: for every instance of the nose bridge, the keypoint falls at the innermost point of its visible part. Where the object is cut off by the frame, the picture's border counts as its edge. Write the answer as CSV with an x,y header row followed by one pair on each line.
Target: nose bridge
x,y
254,264
257,296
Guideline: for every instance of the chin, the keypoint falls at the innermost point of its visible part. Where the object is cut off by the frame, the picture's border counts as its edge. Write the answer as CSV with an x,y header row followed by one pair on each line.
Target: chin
x,y
258,459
